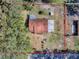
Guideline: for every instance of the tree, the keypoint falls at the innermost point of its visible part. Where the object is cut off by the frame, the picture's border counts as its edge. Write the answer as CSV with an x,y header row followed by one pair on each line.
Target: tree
x,y
12,29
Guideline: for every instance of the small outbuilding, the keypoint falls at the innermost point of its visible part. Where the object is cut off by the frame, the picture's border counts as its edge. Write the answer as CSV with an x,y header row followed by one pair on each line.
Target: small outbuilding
x,y
40,25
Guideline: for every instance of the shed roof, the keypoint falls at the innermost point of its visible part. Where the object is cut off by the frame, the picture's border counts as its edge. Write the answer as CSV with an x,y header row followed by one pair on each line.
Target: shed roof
x,y
38,25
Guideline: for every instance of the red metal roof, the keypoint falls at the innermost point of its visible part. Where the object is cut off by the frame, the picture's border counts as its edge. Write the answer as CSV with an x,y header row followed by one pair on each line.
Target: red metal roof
x,y
39,25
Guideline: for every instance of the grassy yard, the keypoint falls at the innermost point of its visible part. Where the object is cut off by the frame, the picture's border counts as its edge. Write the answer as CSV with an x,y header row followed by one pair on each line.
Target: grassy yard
x,y
55,37
19,56
76,41
58,1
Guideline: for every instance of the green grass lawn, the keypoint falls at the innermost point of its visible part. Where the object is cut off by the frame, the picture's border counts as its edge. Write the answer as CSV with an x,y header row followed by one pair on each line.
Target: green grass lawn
x,y
58,1
76,41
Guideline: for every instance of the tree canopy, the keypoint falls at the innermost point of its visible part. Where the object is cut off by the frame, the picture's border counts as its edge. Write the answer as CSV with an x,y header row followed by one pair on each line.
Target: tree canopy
x,y
12,28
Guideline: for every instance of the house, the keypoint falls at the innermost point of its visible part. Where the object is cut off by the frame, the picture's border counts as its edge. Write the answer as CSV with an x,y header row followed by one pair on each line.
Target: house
x,y
75,22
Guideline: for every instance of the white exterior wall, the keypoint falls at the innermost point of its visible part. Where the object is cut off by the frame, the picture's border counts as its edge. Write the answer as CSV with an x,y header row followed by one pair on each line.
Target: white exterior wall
x,y
50,25
72,29
29,56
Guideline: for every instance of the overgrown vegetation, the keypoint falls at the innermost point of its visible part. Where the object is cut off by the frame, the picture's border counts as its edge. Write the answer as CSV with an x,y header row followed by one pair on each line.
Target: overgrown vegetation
x,y
46,1
58,1
76,41
12,29
27,7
